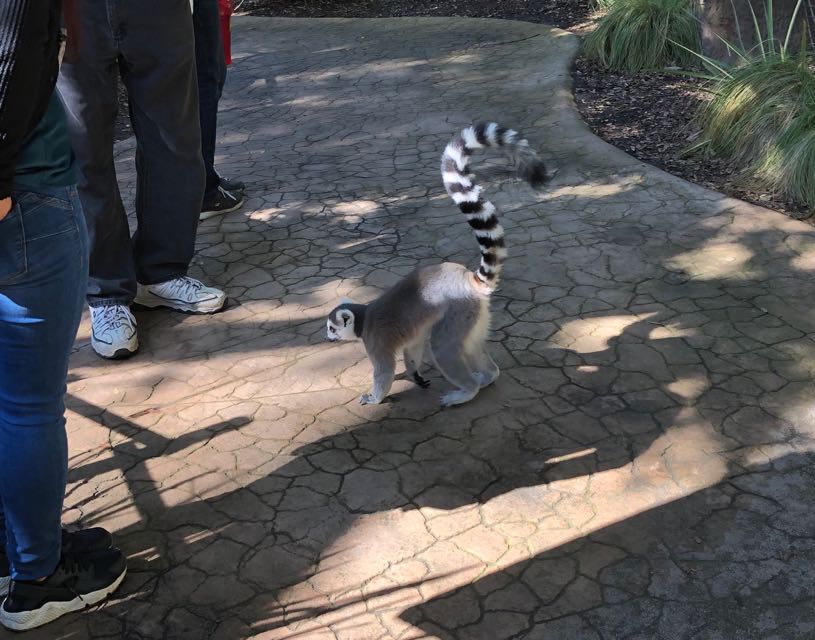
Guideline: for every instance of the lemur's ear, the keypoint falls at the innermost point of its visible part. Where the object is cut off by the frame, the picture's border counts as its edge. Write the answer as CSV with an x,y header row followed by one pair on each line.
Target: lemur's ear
x,y
345,316
346,301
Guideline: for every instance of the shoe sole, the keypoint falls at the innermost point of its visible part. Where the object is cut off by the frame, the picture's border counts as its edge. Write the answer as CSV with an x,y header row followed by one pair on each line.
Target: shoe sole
x,y
109,353
4,583
152,301
50,611
206,215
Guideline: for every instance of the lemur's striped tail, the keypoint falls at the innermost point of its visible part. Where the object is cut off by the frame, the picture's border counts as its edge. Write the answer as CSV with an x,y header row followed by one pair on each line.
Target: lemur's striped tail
x,y
461,186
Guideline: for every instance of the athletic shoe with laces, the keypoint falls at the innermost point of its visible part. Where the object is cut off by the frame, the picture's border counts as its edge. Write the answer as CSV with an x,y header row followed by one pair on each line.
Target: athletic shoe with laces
x,y
222,202
73,542
235,186
113,331
86,540
79,581
182,294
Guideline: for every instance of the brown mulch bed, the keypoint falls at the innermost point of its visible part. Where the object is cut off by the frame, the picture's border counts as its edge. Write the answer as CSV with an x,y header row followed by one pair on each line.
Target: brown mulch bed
x,y
649,115
559,13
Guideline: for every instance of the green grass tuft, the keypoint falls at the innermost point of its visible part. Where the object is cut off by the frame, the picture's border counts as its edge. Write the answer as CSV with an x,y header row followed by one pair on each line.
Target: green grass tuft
x,y
763,116
645,34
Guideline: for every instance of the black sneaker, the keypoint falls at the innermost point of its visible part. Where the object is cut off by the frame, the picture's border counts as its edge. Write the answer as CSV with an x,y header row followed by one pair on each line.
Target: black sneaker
x,y
73,542
79,581
86,540
222,202
5,574
235,186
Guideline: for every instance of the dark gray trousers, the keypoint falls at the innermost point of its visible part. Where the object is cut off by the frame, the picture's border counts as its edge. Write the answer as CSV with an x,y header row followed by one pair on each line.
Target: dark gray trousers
x,y
150,44
211,68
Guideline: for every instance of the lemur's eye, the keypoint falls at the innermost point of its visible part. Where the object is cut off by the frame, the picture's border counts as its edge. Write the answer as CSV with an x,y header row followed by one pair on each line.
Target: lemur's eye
x,y
332,330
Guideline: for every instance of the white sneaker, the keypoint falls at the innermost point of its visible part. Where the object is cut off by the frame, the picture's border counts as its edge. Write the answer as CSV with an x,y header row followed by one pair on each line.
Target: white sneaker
x,y
182,294
113,331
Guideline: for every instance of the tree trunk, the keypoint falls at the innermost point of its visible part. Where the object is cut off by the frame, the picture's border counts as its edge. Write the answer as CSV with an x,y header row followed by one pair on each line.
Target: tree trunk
x,y
732,21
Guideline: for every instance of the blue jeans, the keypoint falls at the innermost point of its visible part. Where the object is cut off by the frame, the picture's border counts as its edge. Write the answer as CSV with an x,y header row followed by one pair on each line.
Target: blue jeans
x,y
43,278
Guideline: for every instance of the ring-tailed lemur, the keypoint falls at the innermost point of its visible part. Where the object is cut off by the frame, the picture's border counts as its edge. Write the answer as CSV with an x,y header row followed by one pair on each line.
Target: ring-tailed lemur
x,y
445,305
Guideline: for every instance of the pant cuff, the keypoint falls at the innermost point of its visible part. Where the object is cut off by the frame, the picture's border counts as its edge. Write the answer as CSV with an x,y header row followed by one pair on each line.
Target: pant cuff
x,y
160,279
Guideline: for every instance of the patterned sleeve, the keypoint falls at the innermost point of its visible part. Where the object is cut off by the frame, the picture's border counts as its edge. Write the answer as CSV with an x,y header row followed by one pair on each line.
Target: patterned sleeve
x,y
29,48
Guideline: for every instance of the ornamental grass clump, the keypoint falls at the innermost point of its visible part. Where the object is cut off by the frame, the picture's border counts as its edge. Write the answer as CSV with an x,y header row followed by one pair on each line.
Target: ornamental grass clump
x,y
645,34
601,5
762,114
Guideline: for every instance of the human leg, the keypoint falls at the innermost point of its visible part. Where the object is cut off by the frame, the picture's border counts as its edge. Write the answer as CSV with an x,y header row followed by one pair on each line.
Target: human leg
x,y
211,71
164,110
87,87
43,275
43,278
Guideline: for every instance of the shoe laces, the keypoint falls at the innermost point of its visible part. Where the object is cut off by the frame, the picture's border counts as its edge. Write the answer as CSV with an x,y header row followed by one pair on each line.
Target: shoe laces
x,y
228,195
113,317
72,565
185,285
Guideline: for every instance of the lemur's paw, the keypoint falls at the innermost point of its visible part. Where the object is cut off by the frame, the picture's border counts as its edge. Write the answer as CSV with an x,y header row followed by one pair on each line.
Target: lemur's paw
x,y
368,398
424,384
485,378
457,397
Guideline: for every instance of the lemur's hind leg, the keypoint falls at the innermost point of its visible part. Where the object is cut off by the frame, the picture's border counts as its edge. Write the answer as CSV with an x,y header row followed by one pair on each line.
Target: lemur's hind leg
x,y
484,368
414,357
447,344
457,371
384,369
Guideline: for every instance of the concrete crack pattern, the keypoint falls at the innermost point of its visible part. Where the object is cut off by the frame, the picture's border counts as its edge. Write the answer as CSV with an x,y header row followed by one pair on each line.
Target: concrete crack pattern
x,y
642,469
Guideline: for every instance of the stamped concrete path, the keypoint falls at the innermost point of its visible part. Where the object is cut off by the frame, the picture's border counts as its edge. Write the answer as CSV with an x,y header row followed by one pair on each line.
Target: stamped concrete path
x,y
642,469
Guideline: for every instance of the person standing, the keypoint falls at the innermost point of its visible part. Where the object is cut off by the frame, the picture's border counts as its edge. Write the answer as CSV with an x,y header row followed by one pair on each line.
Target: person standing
x,y
45,571
150,44
221,195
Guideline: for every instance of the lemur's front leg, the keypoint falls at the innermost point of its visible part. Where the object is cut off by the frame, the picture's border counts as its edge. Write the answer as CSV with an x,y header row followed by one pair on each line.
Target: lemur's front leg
x,y
384,369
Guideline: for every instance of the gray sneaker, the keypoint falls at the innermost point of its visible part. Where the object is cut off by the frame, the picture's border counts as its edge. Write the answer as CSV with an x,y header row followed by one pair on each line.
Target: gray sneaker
x,y
182,294
113,331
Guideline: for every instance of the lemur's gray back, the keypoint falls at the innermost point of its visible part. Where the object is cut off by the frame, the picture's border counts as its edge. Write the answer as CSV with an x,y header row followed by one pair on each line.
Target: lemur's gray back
x,y
464,191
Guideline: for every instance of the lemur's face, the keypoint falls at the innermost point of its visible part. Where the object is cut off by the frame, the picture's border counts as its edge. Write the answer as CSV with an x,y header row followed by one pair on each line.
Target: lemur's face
x,y
340,325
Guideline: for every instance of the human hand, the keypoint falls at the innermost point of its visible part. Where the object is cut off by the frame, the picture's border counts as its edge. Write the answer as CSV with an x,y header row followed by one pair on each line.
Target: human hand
x,y
5,207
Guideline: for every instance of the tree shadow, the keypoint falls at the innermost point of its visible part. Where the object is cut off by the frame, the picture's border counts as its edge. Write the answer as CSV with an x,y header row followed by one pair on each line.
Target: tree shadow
x,y
243,550
729,561
599,375
602,374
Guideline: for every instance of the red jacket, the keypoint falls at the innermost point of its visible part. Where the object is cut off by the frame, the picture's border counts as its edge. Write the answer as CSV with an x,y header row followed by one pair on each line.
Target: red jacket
x,y
225,10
